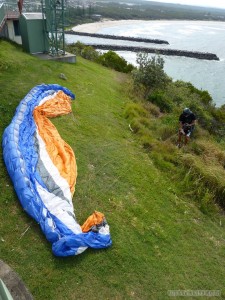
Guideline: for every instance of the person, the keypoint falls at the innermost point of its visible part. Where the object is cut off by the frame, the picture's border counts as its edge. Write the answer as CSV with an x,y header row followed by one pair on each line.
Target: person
x,y
187,121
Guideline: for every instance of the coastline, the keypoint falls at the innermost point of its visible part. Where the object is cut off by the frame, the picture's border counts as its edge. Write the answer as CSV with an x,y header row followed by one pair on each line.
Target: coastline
x,y
206,75
105,23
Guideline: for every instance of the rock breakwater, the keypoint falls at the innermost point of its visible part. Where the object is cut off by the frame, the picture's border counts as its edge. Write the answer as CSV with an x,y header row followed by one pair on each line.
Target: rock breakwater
x,y
115,37
172,52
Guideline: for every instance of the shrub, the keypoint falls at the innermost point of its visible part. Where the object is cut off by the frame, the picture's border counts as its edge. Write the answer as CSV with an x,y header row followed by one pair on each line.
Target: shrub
x,y
135,110
203,116
152,109
206,98
75,48
218,127
150,73
109,59
81,49
89,53
112,60
159,99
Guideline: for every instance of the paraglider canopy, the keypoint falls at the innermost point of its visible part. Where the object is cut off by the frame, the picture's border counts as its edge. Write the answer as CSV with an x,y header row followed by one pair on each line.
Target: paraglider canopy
x,y
43,169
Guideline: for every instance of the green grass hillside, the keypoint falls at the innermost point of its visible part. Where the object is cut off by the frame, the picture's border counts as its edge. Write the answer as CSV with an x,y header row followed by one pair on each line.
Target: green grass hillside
x,y
161,240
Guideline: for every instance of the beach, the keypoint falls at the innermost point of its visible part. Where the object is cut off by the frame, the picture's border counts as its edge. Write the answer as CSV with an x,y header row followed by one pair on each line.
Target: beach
x,y
105,23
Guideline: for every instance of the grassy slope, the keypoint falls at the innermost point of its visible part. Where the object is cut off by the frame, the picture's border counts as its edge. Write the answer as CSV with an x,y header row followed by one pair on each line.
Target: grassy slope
x,y
161,241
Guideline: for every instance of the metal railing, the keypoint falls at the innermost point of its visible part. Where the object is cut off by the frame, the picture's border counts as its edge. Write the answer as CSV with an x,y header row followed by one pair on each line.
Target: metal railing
x,y
2,15
11,9
8,11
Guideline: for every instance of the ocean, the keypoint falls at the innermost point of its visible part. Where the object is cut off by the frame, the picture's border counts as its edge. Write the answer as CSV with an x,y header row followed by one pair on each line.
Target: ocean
x,y
203,36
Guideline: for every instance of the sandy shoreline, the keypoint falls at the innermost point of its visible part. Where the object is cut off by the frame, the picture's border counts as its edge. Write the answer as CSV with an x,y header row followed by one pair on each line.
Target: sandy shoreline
x,y
105,23
94,27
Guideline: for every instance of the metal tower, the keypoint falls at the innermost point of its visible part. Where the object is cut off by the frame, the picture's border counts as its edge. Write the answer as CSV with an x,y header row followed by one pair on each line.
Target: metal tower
x,y
53,18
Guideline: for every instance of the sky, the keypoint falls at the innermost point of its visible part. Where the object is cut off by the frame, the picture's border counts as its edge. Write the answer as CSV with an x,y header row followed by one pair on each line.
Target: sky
x,y
211,3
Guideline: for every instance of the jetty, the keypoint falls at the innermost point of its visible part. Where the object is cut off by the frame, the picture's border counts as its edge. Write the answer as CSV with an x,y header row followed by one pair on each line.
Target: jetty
x,y
171,52
162,51
115,37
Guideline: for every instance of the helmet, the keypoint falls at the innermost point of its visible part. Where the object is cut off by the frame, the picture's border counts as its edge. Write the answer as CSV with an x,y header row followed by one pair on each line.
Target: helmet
x,y
187,111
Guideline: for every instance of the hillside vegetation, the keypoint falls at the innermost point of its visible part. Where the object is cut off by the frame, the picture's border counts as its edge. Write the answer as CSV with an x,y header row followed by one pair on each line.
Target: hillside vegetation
x,y
164,237
78,12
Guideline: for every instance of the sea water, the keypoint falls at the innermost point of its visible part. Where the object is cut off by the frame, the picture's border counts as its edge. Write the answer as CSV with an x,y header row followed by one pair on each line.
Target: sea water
x,y
203,36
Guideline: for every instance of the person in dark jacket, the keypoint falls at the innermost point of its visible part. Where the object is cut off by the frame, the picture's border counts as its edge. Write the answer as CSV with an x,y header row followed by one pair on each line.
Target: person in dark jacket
x,y
187,121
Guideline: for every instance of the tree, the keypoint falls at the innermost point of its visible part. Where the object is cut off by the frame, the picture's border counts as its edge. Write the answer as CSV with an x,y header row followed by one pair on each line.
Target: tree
x,y
149,74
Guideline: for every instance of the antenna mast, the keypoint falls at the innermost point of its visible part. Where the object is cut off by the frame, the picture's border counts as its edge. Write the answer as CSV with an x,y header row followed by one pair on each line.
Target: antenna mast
x,y
53,13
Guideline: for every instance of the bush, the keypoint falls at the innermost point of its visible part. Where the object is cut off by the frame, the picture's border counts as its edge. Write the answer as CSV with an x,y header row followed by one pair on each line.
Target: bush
x,y
206,98
81,49
152,109
135,110
109,59
150,73
112,60
159,99
203,115
89,53
75,48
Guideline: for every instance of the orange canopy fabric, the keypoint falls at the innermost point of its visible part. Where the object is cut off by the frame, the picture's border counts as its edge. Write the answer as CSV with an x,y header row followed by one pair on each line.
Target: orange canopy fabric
x,y
95,219
59,151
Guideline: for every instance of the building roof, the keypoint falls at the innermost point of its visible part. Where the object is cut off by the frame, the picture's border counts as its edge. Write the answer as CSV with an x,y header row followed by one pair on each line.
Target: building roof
x,y
33,16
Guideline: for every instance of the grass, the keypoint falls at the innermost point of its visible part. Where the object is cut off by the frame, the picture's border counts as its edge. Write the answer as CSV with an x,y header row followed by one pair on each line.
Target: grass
x,y
161,239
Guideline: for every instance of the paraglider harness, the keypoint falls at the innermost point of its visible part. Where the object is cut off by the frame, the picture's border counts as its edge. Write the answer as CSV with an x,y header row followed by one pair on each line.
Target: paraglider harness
x,y
187,129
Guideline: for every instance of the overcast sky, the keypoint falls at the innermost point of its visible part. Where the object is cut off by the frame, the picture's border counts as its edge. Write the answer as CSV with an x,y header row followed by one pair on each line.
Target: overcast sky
x,y
211,3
